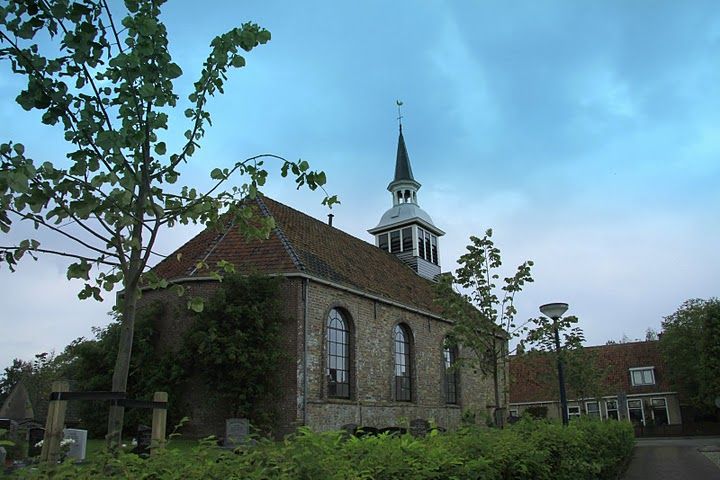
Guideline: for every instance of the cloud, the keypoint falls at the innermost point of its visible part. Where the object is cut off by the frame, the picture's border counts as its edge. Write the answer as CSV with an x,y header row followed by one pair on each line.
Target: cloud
x,y
41,311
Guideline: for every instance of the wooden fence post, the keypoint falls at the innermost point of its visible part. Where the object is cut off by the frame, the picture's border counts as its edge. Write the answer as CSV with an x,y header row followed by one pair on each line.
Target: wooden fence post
x,y
54,425
159,420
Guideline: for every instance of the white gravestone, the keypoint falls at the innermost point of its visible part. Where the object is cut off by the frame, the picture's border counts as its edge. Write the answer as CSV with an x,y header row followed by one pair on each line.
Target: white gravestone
x,y
79,438
236,431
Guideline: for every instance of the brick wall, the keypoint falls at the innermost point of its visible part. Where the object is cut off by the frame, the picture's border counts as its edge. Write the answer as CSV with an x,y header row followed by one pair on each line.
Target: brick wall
x,y
372,373
372,400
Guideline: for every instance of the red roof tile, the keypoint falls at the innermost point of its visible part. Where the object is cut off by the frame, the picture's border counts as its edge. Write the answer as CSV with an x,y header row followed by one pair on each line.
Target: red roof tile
x,y
301,243
532,374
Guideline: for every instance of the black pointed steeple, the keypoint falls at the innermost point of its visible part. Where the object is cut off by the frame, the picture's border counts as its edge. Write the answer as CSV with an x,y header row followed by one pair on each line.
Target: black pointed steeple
x,y
403,170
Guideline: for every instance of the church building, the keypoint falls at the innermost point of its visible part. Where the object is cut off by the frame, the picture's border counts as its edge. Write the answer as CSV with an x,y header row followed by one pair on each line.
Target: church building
x,y
366,342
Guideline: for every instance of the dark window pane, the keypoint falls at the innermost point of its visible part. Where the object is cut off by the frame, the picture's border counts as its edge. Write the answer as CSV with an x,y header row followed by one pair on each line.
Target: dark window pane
x,y
403,374
421,243
407,239
659,411
383,242
428,248
451,376
338,356
395,241
635,411
612,409
434,250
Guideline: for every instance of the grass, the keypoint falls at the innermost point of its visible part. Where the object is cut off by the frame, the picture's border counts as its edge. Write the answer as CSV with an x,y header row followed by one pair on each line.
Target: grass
x,y
96,446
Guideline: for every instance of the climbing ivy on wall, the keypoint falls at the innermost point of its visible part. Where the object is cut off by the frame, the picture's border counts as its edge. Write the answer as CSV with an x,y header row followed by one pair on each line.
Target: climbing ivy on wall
x,y
234,343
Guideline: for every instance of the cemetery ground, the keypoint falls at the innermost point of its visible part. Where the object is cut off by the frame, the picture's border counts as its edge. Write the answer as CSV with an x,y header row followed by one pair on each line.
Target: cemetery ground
x,y
529,449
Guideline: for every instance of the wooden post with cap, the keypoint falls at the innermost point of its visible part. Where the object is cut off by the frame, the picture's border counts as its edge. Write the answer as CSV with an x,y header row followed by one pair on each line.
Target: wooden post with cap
x,y
159,420
54,425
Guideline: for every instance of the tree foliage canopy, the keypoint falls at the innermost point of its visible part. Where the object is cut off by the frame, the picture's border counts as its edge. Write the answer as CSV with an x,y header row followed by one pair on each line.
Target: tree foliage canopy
x,y
690,344
110,88
484,319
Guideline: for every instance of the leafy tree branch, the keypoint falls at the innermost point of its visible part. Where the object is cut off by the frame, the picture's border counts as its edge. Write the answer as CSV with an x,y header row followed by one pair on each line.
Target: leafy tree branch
x,y
111,91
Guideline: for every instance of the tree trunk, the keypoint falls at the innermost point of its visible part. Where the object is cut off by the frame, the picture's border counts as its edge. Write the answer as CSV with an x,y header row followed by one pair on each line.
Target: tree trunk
x,y
497,418
122,367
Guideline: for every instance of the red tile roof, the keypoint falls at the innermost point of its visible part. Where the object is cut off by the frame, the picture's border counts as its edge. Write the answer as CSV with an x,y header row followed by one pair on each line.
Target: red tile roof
x,y
300,243
532,377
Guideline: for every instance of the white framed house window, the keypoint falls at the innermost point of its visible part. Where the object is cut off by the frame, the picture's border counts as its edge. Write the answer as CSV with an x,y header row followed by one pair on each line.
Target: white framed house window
x,y
636,412
642,376
611,407
573,411
593,410
660,411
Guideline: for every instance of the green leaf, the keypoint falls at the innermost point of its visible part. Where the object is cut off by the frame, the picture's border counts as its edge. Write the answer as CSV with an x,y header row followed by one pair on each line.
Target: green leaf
x,y
160,148
79,270
196,304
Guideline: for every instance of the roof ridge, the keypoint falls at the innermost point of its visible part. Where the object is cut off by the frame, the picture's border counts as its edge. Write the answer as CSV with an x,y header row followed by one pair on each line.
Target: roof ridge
x,y
281,235
365,243
211,248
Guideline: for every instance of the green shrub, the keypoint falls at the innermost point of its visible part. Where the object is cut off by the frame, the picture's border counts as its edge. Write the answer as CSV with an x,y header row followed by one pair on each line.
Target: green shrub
x,y
530,449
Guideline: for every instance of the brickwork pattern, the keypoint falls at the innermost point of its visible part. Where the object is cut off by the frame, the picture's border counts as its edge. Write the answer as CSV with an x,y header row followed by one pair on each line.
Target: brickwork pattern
x,y
372,400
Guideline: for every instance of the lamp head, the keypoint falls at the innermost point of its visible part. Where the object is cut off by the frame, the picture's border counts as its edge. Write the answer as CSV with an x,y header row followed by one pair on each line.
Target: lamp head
x,y
554,310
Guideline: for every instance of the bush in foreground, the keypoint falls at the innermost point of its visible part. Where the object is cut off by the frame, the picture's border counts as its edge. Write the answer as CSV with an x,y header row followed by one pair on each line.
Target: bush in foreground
x,y
530,449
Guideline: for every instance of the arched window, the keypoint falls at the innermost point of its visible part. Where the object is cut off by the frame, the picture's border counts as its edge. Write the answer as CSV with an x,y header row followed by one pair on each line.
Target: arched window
x,y
338,355
451,375
403,364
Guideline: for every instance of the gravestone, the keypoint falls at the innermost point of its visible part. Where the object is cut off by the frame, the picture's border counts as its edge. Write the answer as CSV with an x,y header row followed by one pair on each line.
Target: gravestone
x,y
349,429
17,405
35,435
78,448
236,431
143,437
419,427
11,429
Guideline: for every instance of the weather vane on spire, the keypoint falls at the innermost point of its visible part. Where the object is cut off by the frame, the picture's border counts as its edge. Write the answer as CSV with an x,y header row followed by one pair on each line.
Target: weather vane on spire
x,y
399,104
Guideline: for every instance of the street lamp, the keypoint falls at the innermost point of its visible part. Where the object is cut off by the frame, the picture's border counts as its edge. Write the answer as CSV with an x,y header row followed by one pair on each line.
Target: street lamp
x,y
555,311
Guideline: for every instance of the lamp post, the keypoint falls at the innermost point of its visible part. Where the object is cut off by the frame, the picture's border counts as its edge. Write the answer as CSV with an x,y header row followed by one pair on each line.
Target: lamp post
x,y
555,311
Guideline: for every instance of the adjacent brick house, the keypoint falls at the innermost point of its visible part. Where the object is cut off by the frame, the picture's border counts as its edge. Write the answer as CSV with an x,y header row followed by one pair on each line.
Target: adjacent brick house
x,y
634,370
364,338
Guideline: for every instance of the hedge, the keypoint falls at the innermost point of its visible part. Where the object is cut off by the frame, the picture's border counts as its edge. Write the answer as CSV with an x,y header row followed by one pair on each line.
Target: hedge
x,y
530,449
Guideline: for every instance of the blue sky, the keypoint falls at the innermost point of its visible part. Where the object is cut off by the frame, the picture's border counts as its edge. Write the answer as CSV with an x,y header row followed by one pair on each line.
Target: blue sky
x,y
586,134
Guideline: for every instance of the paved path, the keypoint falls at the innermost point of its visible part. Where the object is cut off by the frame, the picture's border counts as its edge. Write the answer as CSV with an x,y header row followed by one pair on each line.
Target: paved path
x,y
673,459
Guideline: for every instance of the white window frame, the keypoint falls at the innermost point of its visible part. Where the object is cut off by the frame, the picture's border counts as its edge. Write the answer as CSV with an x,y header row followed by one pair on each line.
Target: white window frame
x,y
599,409
642,408
579,411
652,408
642,371
616,409
513,412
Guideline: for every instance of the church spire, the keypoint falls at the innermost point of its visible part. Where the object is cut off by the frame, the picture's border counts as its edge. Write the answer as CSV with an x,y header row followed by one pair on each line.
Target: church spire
x,y
403,170
406,230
